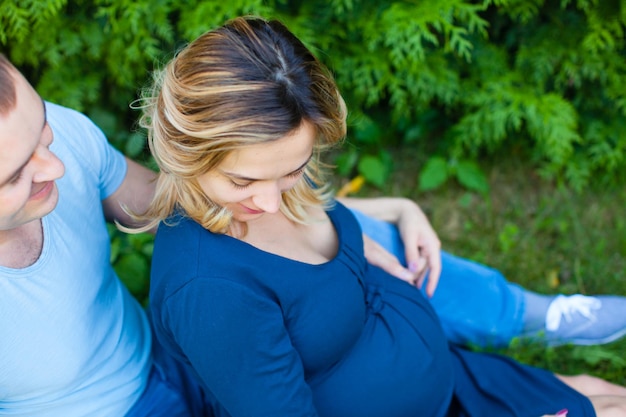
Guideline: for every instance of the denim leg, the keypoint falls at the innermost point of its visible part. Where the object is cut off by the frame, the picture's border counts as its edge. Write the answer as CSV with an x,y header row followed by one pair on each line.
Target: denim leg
x,y
475,303
160,399
173,390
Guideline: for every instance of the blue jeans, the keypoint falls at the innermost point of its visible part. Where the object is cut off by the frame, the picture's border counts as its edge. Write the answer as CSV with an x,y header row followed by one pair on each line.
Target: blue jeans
x,y
475,303
160,398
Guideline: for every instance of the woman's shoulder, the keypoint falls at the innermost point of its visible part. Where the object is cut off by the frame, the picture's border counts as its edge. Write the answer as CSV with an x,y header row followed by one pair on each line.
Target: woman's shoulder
x,y
184,246
181,230
344,221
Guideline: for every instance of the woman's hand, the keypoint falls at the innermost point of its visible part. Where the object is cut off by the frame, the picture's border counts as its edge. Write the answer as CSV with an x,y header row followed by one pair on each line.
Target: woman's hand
x,y
421,244
380,257
422,247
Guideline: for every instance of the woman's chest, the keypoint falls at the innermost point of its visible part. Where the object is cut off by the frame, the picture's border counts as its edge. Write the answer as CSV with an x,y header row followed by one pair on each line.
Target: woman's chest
x,y
324,313
314,243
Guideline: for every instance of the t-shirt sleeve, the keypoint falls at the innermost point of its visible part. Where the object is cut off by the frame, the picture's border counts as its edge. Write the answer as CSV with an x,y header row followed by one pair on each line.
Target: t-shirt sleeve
x,y
237,342
109,162
87,146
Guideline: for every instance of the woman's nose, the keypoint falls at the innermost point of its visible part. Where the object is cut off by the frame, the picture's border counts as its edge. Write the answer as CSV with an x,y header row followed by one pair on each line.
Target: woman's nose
x,y
269,199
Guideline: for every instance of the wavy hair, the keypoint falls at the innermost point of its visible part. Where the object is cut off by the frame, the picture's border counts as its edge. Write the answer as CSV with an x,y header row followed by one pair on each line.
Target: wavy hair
x,y
247,82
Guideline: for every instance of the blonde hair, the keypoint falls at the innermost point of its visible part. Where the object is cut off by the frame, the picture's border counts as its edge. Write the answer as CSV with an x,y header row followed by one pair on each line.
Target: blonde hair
x,y
249,81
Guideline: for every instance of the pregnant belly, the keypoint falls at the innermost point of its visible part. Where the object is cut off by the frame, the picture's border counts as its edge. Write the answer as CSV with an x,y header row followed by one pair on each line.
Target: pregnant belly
x,y
401,365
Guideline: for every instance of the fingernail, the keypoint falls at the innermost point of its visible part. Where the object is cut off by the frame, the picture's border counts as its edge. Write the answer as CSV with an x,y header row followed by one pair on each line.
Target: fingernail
x,y
562,413
413,266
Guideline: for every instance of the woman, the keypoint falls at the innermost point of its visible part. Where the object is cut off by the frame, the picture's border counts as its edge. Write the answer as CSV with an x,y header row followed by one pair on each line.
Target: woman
x,y
259,280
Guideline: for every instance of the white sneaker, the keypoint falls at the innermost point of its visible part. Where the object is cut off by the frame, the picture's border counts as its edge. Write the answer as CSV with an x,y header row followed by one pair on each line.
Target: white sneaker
x,y
584,320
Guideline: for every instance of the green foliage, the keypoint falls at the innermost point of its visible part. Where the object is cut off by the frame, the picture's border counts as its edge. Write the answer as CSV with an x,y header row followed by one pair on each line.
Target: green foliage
x,y
595,355
19,19
373,170
130,255
464,77
507,237
434,174
603,361
437,171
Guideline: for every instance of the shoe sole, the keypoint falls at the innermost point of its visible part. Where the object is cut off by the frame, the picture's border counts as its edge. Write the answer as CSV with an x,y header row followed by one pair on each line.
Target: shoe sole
x,y
588,342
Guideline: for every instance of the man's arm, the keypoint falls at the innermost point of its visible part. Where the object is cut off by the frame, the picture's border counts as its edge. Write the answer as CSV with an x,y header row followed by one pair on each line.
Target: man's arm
x,y
135,194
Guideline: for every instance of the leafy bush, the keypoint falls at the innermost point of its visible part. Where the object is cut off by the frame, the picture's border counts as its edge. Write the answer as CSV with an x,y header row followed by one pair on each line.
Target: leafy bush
x,y
542,78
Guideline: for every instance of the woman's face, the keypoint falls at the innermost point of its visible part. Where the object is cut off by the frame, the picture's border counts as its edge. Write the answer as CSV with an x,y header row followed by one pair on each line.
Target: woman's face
x,y
249,181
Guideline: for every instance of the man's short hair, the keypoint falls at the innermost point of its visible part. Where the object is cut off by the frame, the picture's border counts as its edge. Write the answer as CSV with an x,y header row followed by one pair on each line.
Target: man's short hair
x,y
7,85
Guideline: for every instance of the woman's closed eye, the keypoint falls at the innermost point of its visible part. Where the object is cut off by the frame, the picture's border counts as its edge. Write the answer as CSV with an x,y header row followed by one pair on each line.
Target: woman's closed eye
x,y
239,186
296,173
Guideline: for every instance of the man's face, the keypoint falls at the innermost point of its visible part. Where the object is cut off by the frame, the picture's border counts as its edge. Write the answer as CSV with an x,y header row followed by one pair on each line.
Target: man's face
x,y
27,167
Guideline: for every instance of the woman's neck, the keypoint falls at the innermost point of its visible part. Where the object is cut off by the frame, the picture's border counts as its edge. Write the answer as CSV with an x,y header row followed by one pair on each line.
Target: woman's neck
x,y
313,243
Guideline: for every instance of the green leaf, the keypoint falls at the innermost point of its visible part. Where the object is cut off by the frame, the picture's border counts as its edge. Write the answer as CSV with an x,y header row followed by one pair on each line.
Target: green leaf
x,y
367,131
139,240
133,270
472,177
147,249
414,133
373,169
434,174
508,237
116,247
135,145
593,355
346,161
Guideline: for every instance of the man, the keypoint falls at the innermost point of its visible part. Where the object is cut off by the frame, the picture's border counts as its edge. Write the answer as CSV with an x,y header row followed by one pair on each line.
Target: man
x,y
74,341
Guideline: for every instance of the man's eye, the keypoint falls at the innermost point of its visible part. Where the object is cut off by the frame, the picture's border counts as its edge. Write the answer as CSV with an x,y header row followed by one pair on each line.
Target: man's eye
x,y
16,179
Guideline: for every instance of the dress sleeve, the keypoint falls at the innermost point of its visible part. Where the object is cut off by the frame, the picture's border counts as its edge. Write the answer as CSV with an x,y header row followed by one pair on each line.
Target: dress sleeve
x,y
236,341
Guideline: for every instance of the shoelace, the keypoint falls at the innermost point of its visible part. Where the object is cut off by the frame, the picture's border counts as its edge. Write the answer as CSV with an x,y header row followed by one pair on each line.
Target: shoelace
x,y
563,306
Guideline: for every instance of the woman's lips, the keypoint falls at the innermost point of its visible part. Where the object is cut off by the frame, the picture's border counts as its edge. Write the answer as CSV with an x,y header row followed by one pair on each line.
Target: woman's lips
x,y
251,211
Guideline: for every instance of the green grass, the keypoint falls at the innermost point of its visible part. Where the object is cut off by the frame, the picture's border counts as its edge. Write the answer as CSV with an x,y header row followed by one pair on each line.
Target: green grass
x,y
542,236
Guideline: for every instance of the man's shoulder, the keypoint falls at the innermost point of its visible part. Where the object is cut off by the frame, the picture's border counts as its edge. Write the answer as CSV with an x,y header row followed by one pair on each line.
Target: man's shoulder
x,y
61,116
74,133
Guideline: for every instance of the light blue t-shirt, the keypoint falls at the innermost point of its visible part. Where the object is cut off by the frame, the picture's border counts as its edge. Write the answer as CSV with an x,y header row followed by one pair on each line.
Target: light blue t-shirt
x,y
73,340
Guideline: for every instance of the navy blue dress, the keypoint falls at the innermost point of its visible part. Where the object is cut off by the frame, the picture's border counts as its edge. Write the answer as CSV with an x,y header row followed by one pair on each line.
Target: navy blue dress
x,y
273,337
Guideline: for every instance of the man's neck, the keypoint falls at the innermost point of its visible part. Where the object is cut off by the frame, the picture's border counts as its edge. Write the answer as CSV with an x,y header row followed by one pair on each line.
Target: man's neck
x,y
21,247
